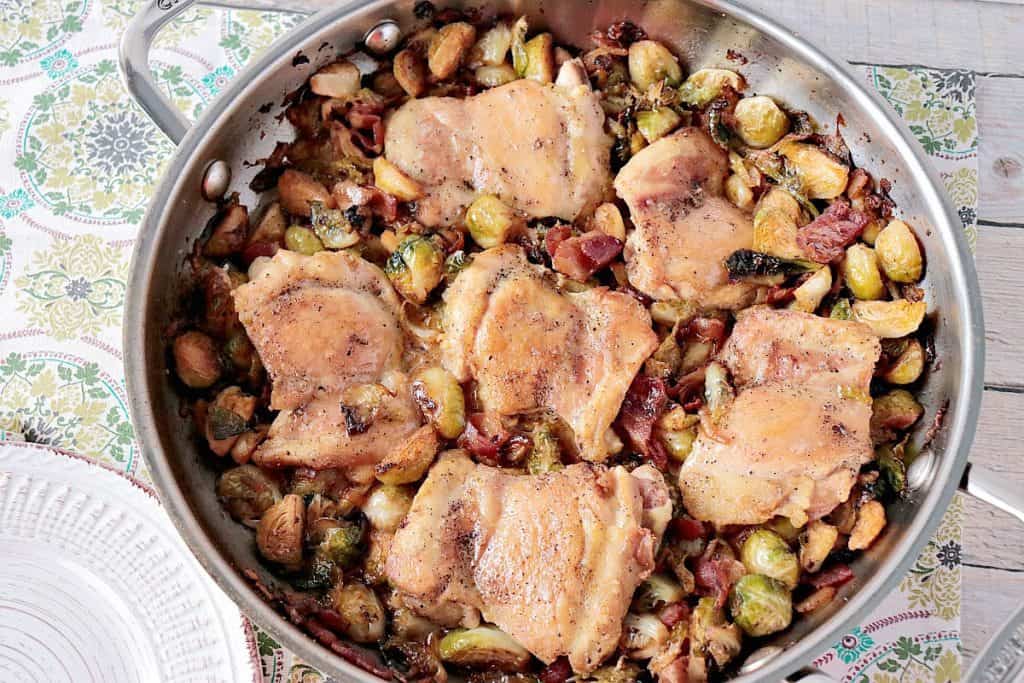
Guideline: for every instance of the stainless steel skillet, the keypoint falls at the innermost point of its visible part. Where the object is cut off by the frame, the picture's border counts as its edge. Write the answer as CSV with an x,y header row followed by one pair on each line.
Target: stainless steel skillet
x,y
239,127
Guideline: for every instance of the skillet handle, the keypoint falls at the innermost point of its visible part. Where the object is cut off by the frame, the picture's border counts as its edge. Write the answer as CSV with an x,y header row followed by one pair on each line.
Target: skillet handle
x,y
987,486
137,40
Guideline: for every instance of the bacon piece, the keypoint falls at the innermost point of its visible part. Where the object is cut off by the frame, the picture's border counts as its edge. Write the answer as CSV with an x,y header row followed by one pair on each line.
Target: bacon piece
x,y
483,437
715,573
836,575
644,403
557,671
257,249
555,236
671,615
825,238
582,256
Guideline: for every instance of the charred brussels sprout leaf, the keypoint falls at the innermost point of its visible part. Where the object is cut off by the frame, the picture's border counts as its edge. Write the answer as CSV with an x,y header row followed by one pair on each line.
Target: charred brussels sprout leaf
x,y
747,263
224,423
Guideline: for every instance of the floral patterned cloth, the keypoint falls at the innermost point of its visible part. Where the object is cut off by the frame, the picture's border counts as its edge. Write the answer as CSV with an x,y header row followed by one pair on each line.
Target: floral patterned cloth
x,y
78,161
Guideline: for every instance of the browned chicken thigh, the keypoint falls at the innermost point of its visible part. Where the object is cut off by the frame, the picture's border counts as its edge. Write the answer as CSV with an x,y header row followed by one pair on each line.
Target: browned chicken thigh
x,y
541,148
529,346
796,434
685,229
553,560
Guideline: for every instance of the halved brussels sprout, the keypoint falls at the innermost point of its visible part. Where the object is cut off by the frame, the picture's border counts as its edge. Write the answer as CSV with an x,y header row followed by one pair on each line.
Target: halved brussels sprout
x,y
230,233
760,605
669,313
775,233
546,454
491,221
706,84
765,552
341,544
608,220
332,227
493,76
718,393
247,443
821,175
493,46
890,319
483,646
416,267
778,199
893,411
651,62
440,398
302,240
540,58
870,522
196,360
518,46
361,610
860,269
908,366
738,192
760,122
657,123
816,542
784,528
891,469
410,72
899,253
391,179
339,79
678,431
642,635
387,506
449,47
808,296
247,492
228,417
656,591
711,634
841,310
408,462
280,531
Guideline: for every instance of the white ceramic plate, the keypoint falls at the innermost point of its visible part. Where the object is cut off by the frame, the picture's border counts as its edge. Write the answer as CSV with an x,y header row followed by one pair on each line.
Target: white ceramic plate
x,y
96,584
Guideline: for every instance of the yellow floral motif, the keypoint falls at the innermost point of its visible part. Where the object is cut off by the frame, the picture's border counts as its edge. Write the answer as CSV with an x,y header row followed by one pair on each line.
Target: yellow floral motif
x,y
74,287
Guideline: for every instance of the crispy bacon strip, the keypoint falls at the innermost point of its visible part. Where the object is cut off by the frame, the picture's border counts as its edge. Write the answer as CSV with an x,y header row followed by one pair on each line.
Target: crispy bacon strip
x,y
644,403
826,237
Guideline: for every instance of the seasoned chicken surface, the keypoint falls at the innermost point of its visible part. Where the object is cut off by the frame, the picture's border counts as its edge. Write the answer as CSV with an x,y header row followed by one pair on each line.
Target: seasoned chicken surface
x,y
685,229
553,560
529,346
320,323
797,433
340,429
541,148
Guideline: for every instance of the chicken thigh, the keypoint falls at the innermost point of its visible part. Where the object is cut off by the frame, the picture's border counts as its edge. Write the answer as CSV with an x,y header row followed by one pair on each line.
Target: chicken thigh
x,y
684,228
796,434
553,560
529,346
541,148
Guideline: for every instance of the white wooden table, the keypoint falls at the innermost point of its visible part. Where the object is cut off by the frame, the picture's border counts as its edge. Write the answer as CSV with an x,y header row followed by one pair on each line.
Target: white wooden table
x,y
984,36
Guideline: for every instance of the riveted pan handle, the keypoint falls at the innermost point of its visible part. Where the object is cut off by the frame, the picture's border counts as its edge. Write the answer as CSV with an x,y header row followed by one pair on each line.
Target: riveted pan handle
x,y
133,55
986,485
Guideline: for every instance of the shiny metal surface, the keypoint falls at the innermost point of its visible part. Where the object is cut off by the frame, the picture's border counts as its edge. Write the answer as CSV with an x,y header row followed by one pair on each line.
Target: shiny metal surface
x,y
990,487
235,130
216,180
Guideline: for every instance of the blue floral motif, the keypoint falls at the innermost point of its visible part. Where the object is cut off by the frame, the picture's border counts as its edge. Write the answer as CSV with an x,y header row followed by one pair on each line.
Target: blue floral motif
x,y
218,78
853,645
13,203
59,63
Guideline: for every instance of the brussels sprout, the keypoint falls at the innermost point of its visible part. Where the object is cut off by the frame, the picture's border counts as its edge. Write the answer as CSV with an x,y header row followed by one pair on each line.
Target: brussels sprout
x,y
860,269
247,443
387,506
760,122
778,199
899,253
657,123
608,220
332,227
651,62
891,412
302,240
710,633
783,527
493,46
340,79
341,544
892,469
449,47
760,605
908,366
871,232
890,319
491,221
280,531
808,296
230,232
775,233
360,404
642,635
410,72
870,522
375,558
546,454
247,492
270,227
361,610
746,264
392,180
738,192
620,672
816,542
416,267
657,591
483,646
518,46
196,360
821,175
540,58
706,84
408,462
228,417
440,398
718,393
678,431
297,190
764,552
493,76
841,310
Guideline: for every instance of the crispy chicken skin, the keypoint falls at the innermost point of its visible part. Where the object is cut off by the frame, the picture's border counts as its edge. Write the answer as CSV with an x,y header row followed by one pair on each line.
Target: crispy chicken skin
x,y
529,346
553,560
685,229
320,323
797,433
540,148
